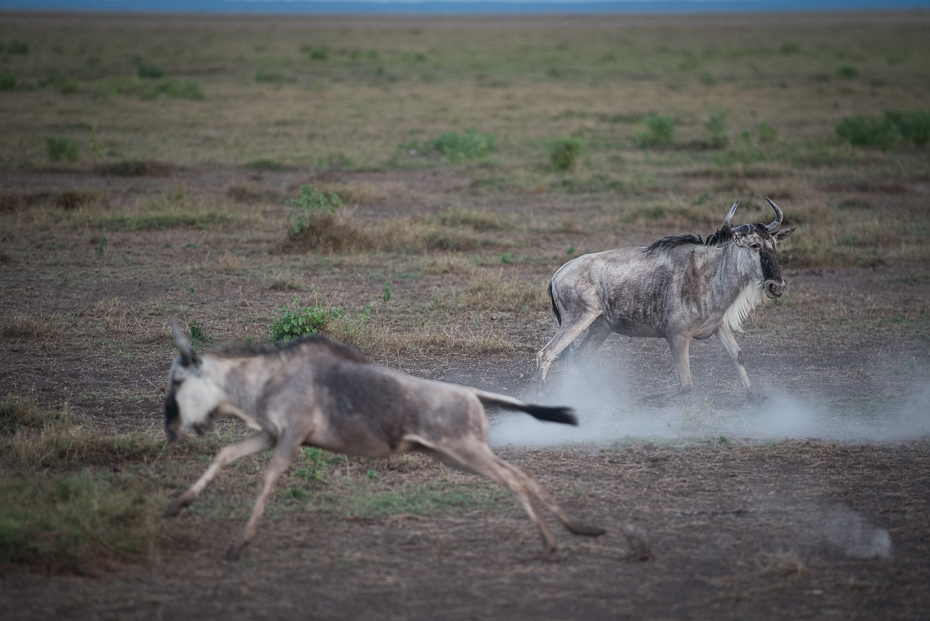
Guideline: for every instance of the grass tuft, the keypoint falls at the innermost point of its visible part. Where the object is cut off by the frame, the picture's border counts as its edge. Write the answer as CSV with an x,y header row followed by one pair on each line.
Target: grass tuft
x,y
78,523
59,148
565,153
655,131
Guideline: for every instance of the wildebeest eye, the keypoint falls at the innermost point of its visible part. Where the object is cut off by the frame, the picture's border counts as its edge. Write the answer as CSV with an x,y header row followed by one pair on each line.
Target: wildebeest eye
x,y
177,381
755,245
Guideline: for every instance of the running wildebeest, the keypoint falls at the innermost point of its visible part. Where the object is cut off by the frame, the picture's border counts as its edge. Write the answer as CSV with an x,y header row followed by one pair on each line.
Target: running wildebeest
x,y
317,392
679,288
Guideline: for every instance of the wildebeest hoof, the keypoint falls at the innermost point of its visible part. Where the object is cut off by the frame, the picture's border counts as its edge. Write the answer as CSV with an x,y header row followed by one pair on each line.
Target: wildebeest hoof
x,y
639,541
175,507
553,554
585,529
234,553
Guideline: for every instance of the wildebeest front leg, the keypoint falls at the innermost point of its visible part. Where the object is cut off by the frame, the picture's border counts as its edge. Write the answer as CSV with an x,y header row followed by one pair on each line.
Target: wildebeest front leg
x,y
736,354
279,461
228,455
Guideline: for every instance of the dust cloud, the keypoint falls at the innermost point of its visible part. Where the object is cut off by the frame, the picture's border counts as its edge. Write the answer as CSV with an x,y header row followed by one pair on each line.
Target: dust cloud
x,y
607,416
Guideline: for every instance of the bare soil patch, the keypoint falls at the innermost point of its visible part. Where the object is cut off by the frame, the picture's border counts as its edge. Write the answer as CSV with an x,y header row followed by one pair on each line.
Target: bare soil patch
x,y
813,504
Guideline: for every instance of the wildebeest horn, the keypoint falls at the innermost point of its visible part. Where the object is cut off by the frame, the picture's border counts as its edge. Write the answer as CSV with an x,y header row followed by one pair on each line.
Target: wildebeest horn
x,y
184,346
778,216
726,221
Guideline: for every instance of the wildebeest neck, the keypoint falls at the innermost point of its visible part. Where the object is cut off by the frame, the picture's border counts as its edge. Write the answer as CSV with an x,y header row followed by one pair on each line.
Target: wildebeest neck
x,y
172,416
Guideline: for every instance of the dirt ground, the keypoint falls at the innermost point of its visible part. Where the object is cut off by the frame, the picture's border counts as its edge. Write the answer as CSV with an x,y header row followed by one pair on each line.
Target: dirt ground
x,y
815,504
740,528
765,532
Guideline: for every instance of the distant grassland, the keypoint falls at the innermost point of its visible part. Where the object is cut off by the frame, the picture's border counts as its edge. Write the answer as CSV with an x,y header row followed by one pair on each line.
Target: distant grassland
x,y
312,91
548,136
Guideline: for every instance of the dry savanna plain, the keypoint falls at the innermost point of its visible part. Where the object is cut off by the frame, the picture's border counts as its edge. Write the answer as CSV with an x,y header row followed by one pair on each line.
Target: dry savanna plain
x,y
409,185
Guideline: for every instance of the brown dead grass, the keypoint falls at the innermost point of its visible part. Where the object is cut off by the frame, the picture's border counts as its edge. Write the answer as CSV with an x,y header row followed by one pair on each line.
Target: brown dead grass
x,y
329,233
22,325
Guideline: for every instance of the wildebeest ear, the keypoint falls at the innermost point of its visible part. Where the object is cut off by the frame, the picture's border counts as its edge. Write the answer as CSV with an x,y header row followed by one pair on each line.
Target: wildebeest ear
x,y
783,234
184,346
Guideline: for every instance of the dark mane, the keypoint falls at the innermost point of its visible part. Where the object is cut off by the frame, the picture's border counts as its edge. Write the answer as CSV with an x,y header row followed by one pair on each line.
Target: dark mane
x,y
244,350
722,236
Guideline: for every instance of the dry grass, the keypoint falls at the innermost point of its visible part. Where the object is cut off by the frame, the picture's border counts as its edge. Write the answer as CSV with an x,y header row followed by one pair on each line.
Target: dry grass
x,y
22,325
365,193
385,341
785,565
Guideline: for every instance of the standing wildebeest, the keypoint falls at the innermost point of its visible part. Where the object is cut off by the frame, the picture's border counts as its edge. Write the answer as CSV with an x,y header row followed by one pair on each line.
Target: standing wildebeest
x,y
316,392
679,288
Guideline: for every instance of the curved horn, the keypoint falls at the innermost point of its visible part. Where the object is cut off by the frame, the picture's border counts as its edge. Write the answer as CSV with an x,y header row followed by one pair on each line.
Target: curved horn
x,y
726,221
778,216
184,346
743,229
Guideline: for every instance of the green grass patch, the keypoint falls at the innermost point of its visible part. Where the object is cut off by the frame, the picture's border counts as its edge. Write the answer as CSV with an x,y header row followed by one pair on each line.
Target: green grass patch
x,y
369,499
161,221
565,153
655,130
17,414
7,80
886,130
296,320
478,220
59,148
78,522
471,144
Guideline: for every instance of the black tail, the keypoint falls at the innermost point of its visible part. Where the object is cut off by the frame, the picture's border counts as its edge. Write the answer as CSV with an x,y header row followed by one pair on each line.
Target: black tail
x,y
558,315
564,415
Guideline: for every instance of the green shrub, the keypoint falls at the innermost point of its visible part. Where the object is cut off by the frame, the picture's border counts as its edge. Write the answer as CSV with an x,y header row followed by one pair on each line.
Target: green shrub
x,y
197,334
316,466
181,89
868,131
296,321
267,74
847,72
150,71
472,144
311,204
655,130
60,148
564,153
913,126
66,84
884,131
320,53
767,133
7,80
17,47
717,126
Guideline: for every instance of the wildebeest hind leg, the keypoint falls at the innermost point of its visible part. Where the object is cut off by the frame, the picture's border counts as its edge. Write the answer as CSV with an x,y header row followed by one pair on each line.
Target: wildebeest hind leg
x,y
228,455
567,332
592,340
473,455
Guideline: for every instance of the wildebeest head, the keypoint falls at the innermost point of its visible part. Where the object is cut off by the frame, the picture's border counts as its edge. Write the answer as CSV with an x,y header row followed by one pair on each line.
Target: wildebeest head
x,y
192,394
760,239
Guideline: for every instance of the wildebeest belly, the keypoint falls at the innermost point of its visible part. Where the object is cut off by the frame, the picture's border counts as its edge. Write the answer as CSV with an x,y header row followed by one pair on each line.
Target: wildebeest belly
x,y
366,412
